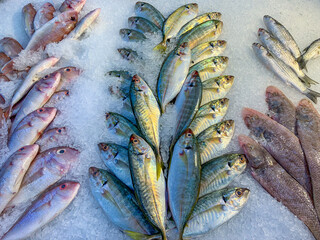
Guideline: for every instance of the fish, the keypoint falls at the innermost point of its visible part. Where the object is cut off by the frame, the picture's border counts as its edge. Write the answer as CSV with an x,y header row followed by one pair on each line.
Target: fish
x,y
3,78
280,142
207,50
214,139
214,209
31,127
184,179
310,52
210,67
278,50
33,76
120,125
174,71
58,96
129,54
29,13
142,25
205,32
187,104
130,35
115,157
197,21
119,203
10,46
39,94
174,22
43,210
147,114
121,74
68,75
44,15
53,31
13,171
308,128
282,34
3,59
84,24
284,72
45,170
282,109
125,78
52,135
72,5
149,12
279,184
209,114
149,189
219,172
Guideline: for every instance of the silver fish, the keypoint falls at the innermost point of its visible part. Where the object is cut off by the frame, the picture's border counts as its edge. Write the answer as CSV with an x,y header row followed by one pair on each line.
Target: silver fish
x,y
207,50
142,25
130,35
311,52
147,11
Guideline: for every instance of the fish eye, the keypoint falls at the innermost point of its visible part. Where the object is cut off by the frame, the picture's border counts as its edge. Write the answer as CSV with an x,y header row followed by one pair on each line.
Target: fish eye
x,y
135,141
61,151
105,147
239,193
189,135
222,101
21,149
72,18
67,69
63,186
107,115
187,7
67,93
242,159
40,110
211,44
59,130
228,124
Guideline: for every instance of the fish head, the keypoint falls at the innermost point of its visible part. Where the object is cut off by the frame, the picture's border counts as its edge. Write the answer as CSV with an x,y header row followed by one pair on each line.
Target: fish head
x,y
60,131
223,59
140,6
126,53
274,99
218,26
259,49
29,150
48,82
46,114
98,177
72,5
58,96
48,6
187,140
255,121
214,15
69,18
138,84
235,198
68,190
125,33
224,129
112,120
268,19
133,21
63,157
108,150
219,107
120,74
238,163
192,80
69,73
225,81
305,114
191,8
220,43
138,145
262,32
183,51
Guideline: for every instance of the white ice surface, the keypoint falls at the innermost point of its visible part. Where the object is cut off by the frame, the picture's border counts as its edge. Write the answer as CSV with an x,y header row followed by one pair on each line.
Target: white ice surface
x,y
83,112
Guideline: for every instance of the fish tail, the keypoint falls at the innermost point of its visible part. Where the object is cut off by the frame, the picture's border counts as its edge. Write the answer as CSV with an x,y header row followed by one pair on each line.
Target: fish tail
x,y
302,63
312,95
141,236
161,47
159,163
308,80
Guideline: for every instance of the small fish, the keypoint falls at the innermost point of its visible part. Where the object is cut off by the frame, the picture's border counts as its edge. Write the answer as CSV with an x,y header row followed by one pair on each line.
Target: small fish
x,y
10,47
129,54
115,157
284,72
68,75
219,172
214,139
173,72
130,35
214,209
278,50
197,21
282,109
46,208
174,22
279,184
311,52
31,127
184,179
308,128
38,95
149,187
84,24
209,114
44,15
57,97
149,12
211,67
125,79
205,32
280,142
3,59
72,5
119,203
142,25
121,74
13,171
29,13
207,50
45,170
52,135
187,104
282,34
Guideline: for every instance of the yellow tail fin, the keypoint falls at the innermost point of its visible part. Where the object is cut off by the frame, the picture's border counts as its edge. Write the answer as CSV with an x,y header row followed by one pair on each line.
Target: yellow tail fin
x,y
161,47
141,236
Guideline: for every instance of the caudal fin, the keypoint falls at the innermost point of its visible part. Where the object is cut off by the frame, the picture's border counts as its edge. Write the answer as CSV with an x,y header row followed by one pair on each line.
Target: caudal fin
x,y
312,95
161,47
141,236
308,81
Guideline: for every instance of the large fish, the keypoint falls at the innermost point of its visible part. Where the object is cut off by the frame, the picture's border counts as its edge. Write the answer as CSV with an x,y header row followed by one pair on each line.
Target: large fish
x,y
311,52
72,5
142,25
31,127
10,47
184,179
308,128
150,189
282,109
115,157
119,203
214,209
209,114
68,75
214,139
282,144
29,13
283,71
44,15
172,74
279,184
175,21
13,171
147,11
46,169
219,172
207,50
45,208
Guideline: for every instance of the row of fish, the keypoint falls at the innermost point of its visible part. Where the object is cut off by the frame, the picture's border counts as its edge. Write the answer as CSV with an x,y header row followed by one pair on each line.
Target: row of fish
x,y
285,159
281,54
136,191
29,180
